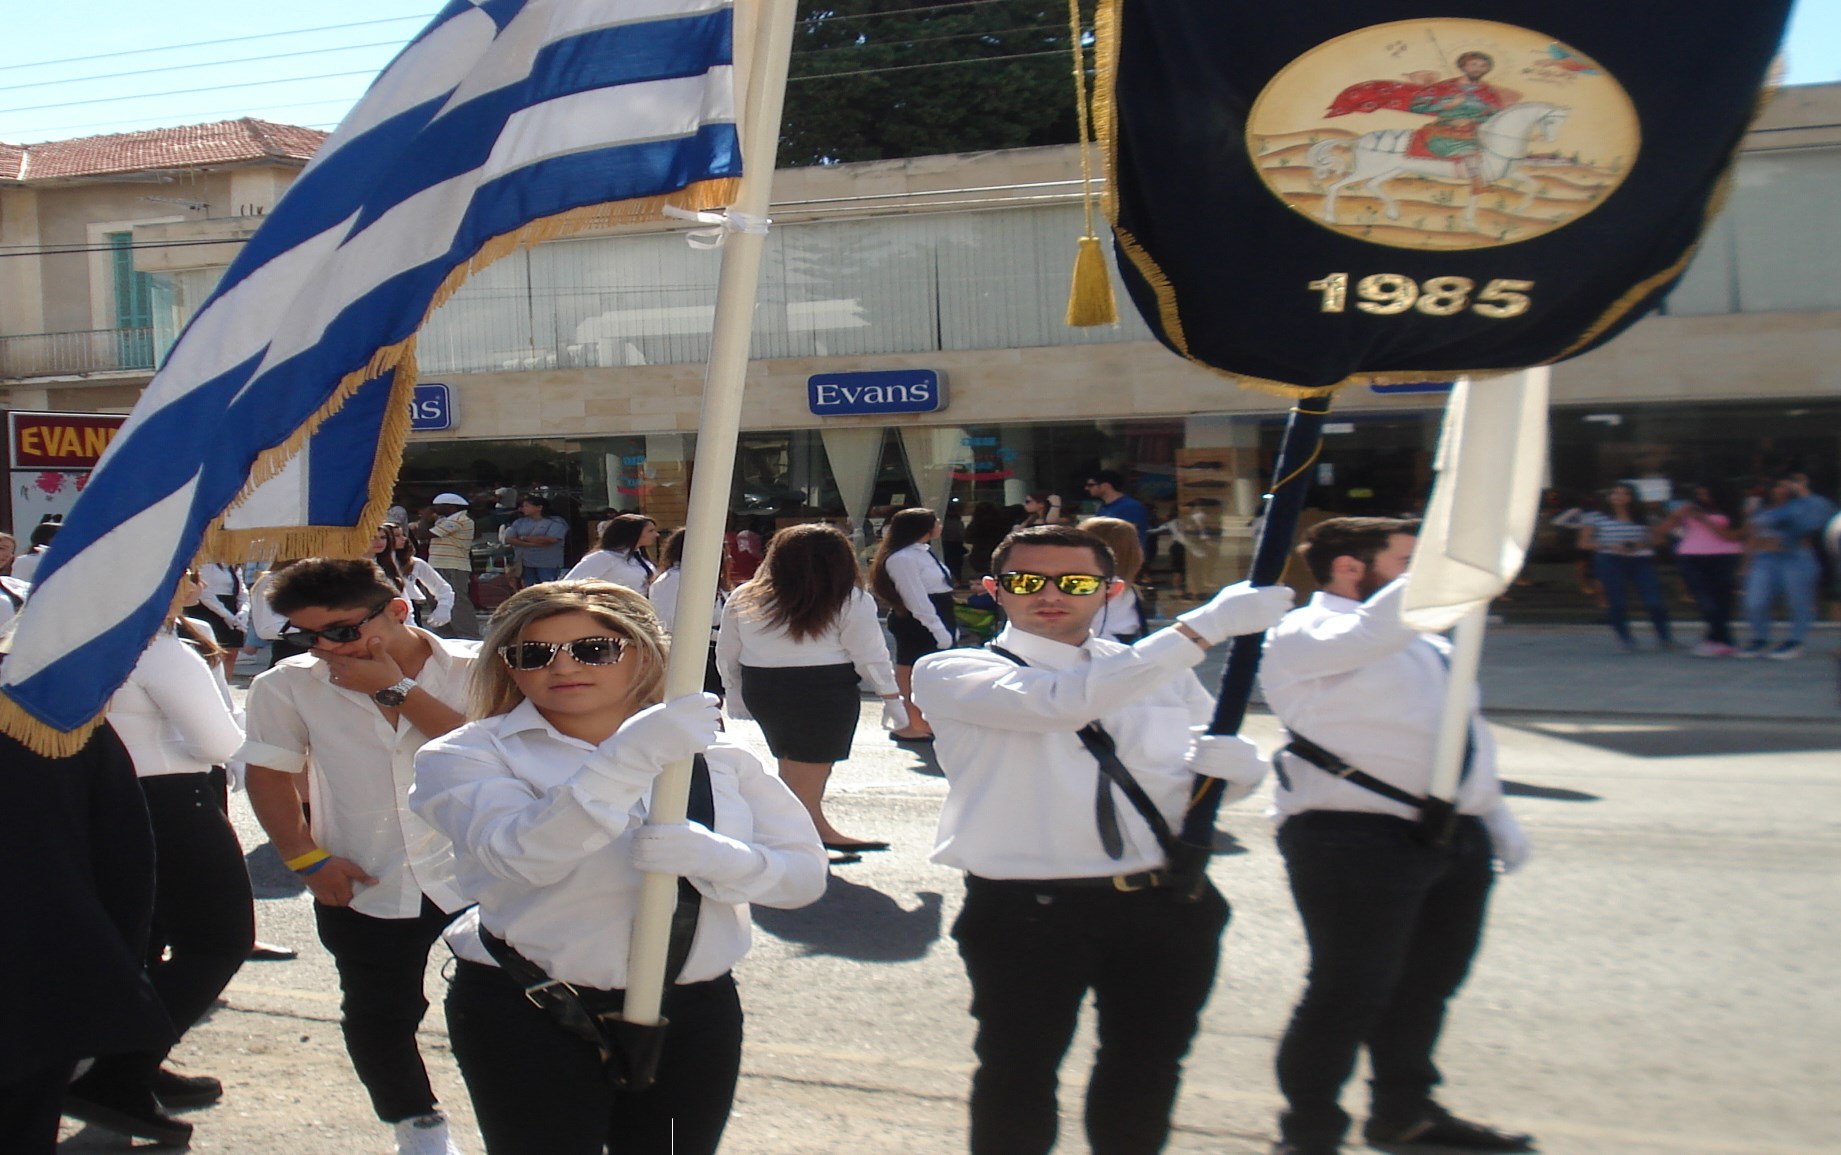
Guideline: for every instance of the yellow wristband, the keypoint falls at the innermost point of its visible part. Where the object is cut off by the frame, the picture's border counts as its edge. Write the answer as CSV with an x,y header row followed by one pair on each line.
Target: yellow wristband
x,y
307,859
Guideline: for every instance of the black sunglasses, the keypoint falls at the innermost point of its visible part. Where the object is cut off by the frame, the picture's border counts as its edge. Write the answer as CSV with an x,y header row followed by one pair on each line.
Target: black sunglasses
x,y
337,635
598,651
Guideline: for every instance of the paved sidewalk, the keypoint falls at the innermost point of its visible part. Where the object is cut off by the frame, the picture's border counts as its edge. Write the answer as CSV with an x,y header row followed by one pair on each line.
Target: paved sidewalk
x,y
1581,670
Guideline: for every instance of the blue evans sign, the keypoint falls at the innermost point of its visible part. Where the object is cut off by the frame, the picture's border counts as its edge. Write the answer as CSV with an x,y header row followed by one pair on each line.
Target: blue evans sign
x,y
431,410
886,391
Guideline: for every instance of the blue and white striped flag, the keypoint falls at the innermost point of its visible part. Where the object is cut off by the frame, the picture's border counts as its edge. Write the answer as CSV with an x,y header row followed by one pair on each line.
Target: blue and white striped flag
x,y
504,123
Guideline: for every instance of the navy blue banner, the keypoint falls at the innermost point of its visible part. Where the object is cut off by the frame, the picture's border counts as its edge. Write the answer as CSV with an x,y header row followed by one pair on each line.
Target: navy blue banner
x,y
1407,190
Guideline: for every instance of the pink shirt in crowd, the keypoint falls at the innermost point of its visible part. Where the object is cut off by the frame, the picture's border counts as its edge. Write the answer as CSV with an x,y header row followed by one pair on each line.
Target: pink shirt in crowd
x,y
1698,538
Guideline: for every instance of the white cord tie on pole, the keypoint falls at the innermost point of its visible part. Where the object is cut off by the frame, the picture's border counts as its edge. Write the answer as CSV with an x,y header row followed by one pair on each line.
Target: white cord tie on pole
x,y
725,222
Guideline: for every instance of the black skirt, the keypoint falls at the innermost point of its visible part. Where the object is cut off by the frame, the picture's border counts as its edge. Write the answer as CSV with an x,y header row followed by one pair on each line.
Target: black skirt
x,y
914,641
808,713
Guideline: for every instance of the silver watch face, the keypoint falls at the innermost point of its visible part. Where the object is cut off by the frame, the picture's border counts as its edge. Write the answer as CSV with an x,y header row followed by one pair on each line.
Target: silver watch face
x,y
393,695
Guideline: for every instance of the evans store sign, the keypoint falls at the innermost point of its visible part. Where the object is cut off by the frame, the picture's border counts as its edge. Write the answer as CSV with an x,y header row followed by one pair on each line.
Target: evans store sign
x,y
886,391
432,409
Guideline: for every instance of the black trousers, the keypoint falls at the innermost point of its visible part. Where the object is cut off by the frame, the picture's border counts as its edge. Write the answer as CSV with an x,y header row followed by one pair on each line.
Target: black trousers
x,y
381,962
204,919
1392,926
539,1090
29,1110
1032,952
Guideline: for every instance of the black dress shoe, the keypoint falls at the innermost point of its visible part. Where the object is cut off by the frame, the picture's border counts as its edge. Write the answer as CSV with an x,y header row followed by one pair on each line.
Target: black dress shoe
x,y
1440,1128
855,847
174,1090
133,1115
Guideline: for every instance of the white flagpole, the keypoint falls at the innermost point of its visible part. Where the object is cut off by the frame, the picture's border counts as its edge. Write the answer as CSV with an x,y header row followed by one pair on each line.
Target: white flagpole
x,y
717,430
1491,459
1454,725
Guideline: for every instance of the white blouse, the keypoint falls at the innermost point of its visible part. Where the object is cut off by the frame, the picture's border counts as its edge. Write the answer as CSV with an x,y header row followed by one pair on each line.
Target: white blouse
x,y
855,637
543,825
174,712
918,575
629,570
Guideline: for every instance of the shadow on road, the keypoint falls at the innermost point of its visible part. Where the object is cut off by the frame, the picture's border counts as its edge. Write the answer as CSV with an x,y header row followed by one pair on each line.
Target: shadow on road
x,y
857,922
268,877
1681,741
1551,793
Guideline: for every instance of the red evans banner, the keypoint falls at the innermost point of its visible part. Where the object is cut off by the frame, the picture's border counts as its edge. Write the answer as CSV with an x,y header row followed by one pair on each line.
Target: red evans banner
x,y
59,440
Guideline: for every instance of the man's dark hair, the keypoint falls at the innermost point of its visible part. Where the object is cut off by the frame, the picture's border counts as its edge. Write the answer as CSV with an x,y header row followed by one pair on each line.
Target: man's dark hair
x,y
541,502
43,532
1057,535
1110,477
329,583
1358,537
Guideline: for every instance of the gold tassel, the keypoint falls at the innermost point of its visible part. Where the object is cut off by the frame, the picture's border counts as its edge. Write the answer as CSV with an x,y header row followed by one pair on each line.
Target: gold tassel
x,y
1090,293
1090,296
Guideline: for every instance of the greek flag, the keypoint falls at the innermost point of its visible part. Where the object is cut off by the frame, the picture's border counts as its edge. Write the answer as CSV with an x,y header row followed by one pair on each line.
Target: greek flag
x,y
285,401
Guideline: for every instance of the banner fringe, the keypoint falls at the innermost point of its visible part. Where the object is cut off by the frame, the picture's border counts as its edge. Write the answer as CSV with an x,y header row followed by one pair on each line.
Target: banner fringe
x,y
42,738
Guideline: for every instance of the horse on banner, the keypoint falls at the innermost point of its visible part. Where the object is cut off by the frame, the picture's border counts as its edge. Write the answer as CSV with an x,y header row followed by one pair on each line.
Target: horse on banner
x,y
1504,141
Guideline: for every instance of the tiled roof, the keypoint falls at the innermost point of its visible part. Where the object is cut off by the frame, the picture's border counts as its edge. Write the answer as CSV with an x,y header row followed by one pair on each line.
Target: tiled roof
x,y
191,147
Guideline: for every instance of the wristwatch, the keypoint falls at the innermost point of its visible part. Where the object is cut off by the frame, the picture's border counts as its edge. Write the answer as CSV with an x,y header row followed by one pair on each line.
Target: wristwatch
x,y
394,695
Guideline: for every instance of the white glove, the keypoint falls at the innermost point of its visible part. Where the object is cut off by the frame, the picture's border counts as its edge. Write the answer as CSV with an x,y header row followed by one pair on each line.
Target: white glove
x,y
1508,842
737,708
894,714
692,850
666,733
1229,757
436,621
1241,608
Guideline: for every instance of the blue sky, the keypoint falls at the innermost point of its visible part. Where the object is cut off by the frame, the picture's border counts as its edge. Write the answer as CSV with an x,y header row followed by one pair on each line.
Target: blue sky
x,y
45,94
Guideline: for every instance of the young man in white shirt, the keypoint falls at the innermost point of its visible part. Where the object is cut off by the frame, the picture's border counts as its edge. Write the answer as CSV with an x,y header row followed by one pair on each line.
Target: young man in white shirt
x,y
352,712
1392,896
1066,889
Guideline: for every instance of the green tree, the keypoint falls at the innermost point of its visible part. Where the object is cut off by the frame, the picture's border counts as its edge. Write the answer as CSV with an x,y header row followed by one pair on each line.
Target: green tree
x,y
878,79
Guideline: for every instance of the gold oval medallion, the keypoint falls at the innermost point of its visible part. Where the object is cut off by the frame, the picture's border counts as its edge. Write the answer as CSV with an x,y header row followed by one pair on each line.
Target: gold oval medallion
x,y
1443,134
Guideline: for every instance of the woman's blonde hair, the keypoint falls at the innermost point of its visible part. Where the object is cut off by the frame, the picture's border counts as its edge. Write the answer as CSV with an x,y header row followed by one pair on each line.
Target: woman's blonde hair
x,y
1121,537
626,614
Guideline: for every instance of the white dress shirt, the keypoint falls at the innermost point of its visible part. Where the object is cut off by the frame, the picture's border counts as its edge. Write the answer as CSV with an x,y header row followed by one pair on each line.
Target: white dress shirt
x,y
1121,618
264,622
360,768
25,566
220,581
174,713
421,573
1020,784
663,594
15,588
1358,681
543,826
918,575
855,637
627,569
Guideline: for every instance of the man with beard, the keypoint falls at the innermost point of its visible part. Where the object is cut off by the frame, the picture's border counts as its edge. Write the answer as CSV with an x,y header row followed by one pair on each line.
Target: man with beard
x,y
1392,894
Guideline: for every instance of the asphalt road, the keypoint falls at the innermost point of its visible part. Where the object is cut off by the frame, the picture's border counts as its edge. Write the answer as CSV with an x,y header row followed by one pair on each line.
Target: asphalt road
x,y
1658,981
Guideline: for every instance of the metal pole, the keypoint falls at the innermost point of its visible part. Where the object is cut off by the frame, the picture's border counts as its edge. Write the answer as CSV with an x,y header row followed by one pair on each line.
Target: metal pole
x,y
717,430
1291,485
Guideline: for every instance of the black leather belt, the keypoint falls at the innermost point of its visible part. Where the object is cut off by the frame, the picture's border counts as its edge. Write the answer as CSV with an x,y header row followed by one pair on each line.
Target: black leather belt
x,y
1139,880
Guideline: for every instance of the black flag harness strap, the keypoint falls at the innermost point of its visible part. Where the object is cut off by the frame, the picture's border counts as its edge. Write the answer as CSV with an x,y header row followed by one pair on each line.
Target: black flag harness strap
x,y
584,1011
1437,816
1100,744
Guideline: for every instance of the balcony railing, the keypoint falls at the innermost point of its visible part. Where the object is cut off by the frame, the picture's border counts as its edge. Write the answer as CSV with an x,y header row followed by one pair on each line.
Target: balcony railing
x,y
69,354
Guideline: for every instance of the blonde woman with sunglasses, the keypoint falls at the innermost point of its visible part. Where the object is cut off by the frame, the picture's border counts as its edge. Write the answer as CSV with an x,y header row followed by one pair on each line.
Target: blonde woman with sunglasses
x,y
545,795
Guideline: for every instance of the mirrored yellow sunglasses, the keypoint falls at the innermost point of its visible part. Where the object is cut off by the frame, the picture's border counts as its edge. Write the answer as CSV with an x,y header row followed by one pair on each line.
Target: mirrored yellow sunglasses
x,y
1078,585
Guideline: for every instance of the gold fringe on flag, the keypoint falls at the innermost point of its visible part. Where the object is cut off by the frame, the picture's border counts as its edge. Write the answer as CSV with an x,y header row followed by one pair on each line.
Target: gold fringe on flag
x,y
1090,299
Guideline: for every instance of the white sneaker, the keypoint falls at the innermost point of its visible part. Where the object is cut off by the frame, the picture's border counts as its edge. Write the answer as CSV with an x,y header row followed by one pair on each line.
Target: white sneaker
x,y
425,1135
